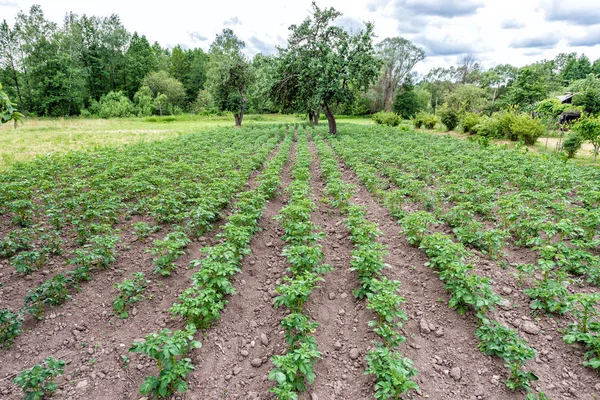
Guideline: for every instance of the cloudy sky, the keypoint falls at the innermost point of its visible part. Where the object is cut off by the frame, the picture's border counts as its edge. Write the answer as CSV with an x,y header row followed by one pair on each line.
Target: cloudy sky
x,y
494,32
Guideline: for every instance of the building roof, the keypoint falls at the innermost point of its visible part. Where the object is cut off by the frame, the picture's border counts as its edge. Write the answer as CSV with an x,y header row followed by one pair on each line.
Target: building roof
x,y
565,97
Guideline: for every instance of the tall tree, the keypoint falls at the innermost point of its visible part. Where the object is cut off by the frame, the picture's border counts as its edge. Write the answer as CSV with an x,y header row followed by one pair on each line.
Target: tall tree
x,y
330,63
139,61
229,74
399,57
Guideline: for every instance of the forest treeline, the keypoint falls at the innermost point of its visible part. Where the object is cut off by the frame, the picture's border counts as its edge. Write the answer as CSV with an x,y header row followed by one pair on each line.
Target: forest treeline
x,y
90,65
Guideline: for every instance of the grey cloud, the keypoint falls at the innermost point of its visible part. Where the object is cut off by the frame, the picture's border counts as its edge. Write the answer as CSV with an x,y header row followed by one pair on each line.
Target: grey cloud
x,y
8,3
578,13
446,47
261,46
541,42
197,37
232,21
349,24
431,8
512,24
590,39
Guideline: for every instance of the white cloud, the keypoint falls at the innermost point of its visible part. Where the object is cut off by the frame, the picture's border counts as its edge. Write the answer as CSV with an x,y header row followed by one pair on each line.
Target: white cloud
x,y
447,29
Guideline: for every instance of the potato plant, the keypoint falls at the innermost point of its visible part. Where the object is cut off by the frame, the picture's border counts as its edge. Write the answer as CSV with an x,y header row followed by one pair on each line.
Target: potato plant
x,y
38,382
10,327
130,291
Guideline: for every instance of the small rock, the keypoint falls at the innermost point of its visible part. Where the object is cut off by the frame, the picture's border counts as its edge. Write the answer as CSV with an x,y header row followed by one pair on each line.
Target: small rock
x,y
455,373
495,380
530,327
256,362
264,339
227,377
314,396
439,332
82,384
253,324
134,311
424,326
354,354
506,290
597,387
341,312
337,345
344,295
90,351
237,370
270,244
244,353
331,296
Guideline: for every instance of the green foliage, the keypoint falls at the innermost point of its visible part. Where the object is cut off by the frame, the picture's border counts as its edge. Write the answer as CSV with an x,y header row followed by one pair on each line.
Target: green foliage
x,y
100,251
38,382
143,230
572,144
130,291
469,122
427,120
496,340
416,225
449,117
113,105
10,327
169,349
294,370
393,373
527,129
386,118
8,110
408,102
167,250
589,129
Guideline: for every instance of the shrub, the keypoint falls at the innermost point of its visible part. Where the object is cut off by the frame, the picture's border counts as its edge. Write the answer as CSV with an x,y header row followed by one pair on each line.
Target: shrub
x,y
425,119
449,117
526,129
386,118
572,144
468,122
111,105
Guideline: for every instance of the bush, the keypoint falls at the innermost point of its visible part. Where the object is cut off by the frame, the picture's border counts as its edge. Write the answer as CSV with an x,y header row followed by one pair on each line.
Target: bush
x,y
112,105
386,118
468,122
449,117
526,129
425,119
572,144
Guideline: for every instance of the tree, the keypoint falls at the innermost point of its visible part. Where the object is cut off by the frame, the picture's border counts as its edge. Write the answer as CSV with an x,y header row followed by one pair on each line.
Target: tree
x,y
407,103
529,87
498,79
329,64
229,74
161,83
399,56
468,71
139,61
589,129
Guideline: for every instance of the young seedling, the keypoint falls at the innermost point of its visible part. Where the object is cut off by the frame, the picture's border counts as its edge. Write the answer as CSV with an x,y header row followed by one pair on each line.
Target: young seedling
x,y
167,250
10,327
393,373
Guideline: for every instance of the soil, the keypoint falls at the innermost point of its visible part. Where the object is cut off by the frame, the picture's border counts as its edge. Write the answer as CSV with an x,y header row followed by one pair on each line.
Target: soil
x,y
234,360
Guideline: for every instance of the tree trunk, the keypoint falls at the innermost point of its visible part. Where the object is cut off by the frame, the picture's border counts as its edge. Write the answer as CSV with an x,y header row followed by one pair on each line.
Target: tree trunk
x,y
240,116
387,96
330,119
311,116
238,119
317,116
160,108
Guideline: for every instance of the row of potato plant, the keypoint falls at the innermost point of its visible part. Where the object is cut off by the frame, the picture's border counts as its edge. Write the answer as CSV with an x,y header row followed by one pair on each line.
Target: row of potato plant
x,y
561,225
293,371
393,372
99,250
201,304
468,290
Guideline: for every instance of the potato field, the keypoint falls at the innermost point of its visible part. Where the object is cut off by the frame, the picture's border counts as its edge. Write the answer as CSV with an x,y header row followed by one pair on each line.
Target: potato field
x,y
282,262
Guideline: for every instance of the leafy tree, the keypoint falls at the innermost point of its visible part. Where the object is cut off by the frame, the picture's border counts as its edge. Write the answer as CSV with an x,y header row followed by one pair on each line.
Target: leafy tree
x,y
407,103
140,61
589,129
229,74
161,83
467,98
330,63
399,56
529,87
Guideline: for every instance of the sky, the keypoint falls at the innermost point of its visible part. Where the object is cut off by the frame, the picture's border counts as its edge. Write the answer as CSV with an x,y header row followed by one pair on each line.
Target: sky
x,y
495,32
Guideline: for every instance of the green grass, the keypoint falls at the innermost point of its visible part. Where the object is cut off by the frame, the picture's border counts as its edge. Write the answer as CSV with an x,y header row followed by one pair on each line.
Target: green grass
x,y
42,136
